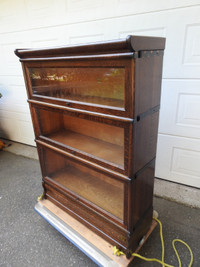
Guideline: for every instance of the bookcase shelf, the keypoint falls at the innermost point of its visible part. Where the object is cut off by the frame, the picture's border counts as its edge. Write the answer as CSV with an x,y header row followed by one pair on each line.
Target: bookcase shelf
x,y
93,146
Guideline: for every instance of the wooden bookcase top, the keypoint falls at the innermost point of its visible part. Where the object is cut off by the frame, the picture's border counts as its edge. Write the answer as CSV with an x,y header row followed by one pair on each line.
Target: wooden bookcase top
x,y
130,44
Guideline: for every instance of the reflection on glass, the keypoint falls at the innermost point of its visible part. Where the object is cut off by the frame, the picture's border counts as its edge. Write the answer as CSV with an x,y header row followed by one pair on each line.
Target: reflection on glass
x,y
103,86
96,187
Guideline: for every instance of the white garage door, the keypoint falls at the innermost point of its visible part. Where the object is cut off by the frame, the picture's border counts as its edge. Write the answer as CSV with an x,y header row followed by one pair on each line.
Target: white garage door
x,y
26,23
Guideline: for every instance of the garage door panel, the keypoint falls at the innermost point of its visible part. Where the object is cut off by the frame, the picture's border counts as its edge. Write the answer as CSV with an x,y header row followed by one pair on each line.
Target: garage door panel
x,y
45,37
14,94
13,115
191,56
87,32
130,7
178,159
26,132
85,38
9,15
16,126
179,26
180,108
154,31
10,65
26,14
184,59
41,13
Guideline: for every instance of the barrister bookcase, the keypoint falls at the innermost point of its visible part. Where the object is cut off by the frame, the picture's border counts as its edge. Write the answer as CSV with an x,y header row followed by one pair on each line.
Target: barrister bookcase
x,y
95,111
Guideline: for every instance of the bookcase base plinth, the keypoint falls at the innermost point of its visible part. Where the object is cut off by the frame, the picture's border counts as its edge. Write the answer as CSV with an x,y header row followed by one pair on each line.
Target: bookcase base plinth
x,y
95,247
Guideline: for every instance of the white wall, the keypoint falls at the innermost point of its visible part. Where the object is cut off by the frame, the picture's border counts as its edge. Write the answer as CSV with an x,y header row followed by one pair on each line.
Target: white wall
x,y
38,23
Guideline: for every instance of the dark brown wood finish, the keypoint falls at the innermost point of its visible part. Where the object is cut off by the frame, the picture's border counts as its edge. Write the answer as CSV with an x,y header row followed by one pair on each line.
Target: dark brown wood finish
x,y
92,165
144,140
113,133
130,44
148,73
95,112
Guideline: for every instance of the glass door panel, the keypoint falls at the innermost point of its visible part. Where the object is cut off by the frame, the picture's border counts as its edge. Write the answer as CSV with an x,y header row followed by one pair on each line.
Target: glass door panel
x,y
102,141
103,191
97,85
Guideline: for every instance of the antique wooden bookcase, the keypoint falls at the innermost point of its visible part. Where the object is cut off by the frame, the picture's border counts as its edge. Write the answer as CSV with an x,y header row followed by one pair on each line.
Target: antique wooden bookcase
x,y
95,114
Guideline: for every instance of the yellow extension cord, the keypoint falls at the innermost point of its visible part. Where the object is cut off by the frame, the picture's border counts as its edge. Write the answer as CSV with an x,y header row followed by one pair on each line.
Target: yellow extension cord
x,y
118,252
